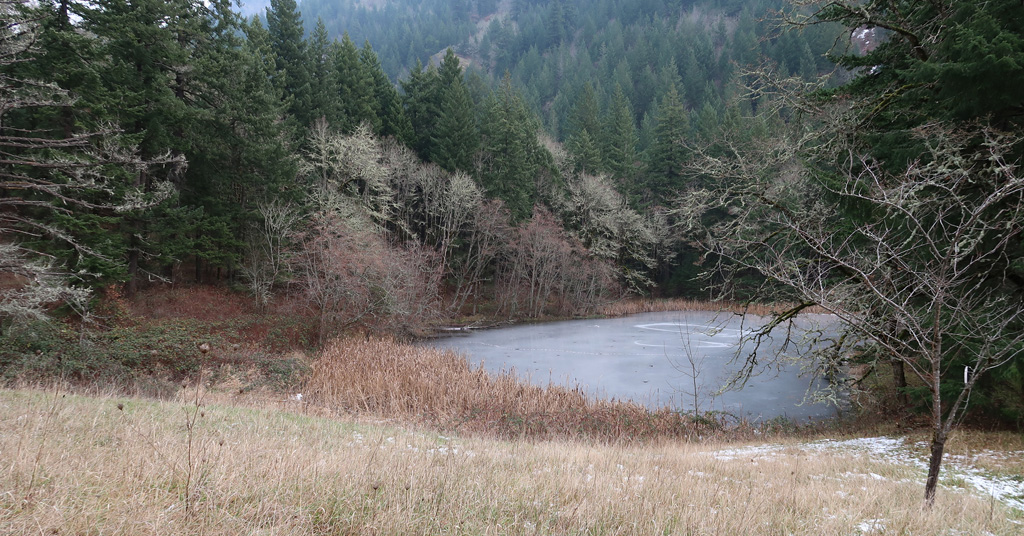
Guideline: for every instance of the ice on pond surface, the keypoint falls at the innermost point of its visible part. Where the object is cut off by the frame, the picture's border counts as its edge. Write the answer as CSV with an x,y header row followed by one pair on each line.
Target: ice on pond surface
x,y
652,359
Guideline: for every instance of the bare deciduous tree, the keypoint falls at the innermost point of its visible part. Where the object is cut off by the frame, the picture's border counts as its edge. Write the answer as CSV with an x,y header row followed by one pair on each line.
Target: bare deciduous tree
x,y
610,229
357,260
267,247
483,242
351,274
544,265
925,278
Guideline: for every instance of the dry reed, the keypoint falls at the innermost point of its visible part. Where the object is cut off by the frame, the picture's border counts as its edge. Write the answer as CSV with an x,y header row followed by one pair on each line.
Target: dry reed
x,y
118,466
644,305
406,382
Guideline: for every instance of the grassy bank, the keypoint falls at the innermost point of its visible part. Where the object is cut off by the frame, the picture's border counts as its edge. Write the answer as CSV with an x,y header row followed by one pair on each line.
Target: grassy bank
x,y
104,465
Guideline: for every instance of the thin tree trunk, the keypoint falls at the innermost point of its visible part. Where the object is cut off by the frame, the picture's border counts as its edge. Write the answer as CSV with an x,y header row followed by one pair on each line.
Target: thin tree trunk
x,y
133,264
939,431
934,464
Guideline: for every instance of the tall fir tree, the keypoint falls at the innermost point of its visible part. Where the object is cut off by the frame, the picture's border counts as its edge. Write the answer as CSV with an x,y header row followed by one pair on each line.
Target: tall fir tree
x,y
53,106
668,152
586,113
241,156
421,98
584,153
557,27
150,82
620,139
391,118
63,187
355,85
324,92
287,39
456,138
509,160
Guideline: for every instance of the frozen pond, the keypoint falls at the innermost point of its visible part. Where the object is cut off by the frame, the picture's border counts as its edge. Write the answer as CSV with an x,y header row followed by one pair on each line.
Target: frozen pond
x,y
648,358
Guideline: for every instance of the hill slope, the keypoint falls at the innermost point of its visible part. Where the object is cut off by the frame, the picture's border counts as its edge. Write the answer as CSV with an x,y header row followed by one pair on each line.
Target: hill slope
x,y
104,465
553,48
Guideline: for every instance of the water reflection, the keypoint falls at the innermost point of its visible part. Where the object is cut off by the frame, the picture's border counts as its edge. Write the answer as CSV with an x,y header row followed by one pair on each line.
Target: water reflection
x,y
657,359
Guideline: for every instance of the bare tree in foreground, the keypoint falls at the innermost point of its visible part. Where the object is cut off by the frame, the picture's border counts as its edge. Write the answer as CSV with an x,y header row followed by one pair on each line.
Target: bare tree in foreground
x,y
927,275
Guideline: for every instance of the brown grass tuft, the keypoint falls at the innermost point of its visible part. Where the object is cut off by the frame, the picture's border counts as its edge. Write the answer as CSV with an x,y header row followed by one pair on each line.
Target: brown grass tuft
x,y
439,387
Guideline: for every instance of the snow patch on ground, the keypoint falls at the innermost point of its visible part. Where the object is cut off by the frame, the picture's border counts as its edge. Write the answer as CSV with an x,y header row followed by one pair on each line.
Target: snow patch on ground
x,y
871,526
896,451
747,452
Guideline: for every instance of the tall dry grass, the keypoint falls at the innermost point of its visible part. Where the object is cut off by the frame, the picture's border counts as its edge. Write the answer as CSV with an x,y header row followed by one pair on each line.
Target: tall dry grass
x,y
646,305
386,377
77,465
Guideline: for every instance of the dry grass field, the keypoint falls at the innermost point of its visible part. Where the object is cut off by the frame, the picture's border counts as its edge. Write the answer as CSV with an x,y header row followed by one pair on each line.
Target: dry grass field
x,y
199,465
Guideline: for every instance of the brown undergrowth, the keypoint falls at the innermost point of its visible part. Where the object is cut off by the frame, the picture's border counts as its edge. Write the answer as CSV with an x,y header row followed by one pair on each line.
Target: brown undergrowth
x,y
383,376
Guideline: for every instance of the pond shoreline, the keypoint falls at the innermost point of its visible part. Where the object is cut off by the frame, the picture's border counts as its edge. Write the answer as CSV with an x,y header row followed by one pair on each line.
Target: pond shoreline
x,y
642,364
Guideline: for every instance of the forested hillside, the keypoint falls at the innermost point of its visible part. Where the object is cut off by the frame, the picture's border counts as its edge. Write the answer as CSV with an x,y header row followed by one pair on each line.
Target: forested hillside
x,y
602,76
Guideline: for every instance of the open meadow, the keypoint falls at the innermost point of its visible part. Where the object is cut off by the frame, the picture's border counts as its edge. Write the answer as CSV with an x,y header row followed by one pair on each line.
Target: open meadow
x,y
212,463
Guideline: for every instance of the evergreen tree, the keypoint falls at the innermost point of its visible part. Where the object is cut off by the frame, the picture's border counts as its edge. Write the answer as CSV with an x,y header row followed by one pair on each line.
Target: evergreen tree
x,y
584,153
509,161
585,113
355,85
325,95
620,139
645,134
391,118
668,152
261,51
148,74
706,124
68,58
456,139
557,28
745,47
189,86
284,23
421,100
60,193
240,157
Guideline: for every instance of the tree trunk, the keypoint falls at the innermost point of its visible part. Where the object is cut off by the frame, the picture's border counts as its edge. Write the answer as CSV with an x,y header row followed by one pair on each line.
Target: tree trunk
x,y
899,377
934,464
133,265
